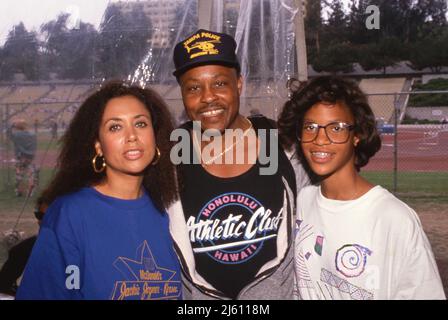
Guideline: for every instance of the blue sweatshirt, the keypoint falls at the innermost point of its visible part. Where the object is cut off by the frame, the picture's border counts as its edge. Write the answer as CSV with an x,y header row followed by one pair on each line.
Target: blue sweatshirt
x,y
92,246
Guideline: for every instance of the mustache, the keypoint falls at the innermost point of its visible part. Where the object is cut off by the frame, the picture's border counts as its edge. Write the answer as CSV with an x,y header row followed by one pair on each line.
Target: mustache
x,y
211,106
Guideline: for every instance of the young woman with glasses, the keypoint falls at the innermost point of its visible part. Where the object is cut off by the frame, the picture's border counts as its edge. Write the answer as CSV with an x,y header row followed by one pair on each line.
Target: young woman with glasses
x,y
354,239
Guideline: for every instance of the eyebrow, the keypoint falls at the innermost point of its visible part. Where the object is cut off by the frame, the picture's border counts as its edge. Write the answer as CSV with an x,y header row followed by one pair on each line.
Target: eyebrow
x,y
332,121
121,120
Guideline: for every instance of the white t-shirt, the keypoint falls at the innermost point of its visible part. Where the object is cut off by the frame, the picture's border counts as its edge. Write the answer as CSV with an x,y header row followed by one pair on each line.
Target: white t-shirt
x,y
373,247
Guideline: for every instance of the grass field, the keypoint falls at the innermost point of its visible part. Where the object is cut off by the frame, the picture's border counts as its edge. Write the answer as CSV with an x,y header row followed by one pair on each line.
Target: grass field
x,y
45,141
414,187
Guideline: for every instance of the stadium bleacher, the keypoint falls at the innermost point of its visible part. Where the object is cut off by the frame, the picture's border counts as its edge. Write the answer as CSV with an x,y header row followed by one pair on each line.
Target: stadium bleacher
x,y
26,94
59,101
42,102
5,90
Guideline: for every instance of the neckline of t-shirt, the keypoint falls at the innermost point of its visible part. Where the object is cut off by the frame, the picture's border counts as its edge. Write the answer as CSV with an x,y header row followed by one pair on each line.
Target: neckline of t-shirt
x,y
341,206
126,204
243,175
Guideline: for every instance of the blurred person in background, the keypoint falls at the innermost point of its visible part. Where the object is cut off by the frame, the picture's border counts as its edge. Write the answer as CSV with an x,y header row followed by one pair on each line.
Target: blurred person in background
x,y
25,144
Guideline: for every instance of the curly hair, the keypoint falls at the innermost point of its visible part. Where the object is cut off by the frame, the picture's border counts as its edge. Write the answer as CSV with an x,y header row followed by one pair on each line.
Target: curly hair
x,y
331,89
74,166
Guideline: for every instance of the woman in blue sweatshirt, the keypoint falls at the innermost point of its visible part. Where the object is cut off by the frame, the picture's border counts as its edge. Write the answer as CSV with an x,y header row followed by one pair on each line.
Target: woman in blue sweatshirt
x,y
105,235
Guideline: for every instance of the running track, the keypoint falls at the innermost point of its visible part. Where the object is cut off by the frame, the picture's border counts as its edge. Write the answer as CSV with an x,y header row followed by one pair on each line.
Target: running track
x,y
423,149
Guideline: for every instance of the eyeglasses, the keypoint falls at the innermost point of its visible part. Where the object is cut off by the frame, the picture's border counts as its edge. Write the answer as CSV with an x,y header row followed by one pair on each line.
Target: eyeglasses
x,y
336,132
39,214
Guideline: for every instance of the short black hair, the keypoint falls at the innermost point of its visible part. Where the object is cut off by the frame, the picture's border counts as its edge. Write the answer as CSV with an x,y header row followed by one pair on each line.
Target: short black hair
x,y
331,89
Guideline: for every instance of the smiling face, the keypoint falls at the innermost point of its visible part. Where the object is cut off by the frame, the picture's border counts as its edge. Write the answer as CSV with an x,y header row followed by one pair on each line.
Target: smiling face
x,y
126,137
211,94
324,157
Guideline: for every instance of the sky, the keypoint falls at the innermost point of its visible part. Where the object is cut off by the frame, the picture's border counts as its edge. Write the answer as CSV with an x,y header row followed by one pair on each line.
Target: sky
x,y
35,12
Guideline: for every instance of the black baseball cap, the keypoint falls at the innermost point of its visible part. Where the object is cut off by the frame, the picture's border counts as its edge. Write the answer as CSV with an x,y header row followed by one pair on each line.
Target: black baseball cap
x,y
205,47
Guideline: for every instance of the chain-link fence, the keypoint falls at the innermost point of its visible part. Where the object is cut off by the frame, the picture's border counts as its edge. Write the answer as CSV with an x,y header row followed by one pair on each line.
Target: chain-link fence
x,y
414,153
412,161
413,156
34,114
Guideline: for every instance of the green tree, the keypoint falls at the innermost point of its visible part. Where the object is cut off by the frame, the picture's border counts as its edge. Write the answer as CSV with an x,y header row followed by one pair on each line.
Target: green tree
x,y
259,54
433,11
337,57
409,30
70,52
431,52
336,26
55,38
382,54
336,53
123,40
186,21
20,54
405,19
261,36
313,29
356,24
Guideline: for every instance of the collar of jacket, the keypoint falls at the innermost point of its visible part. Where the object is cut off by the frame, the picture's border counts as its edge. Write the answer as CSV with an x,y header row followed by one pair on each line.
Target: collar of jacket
x,y
184,250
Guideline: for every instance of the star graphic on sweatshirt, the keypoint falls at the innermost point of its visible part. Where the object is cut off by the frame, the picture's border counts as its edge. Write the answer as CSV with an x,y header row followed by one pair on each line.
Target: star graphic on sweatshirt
x,y
144,263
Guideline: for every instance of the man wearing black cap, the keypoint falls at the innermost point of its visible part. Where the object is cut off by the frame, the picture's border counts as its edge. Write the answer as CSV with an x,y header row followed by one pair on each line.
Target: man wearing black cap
x,y
232,227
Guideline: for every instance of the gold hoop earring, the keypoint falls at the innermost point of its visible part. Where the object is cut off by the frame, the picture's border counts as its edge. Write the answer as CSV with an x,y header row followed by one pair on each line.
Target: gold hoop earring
x,y
154,162
103,166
